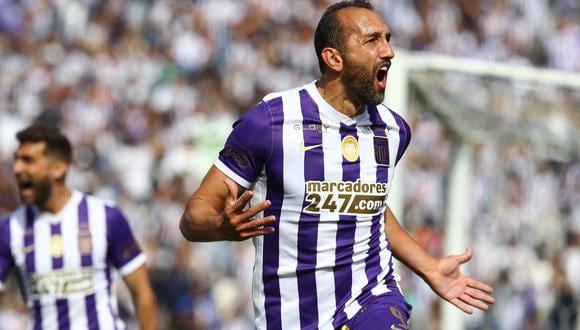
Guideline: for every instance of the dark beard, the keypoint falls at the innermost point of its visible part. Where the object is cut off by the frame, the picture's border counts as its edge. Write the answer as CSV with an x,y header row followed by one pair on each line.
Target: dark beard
x,y
360,84
43,189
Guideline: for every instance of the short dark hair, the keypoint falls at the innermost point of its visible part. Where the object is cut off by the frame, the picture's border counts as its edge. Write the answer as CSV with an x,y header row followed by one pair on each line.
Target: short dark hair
x,y
57,145
330,32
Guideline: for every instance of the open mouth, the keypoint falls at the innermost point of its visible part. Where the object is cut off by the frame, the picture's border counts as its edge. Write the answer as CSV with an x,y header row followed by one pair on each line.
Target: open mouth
x,y
25,186
382,75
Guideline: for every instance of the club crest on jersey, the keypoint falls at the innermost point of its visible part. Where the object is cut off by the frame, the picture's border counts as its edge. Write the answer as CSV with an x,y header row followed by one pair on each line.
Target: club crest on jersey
x,y
85,243
382,157
350,148
56,247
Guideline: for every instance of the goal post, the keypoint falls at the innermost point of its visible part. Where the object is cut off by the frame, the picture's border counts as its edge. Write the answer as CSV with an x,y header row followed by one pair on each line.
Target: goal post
x,y
469,124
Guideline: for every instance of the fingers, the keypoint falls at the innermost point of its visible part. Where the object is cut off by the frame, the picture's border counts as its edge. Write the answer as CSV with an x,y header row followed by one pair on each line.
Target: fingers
x,y
241,223
479,285
241,202
238,203
232,189
254,210
476,294
473,302
465,257
461,305
257,224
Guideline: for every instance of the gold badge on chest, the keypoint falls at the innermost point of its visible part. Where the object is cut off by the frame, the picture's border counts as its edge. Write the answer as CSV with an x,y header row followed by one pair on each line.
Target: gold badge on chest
x,y
350,148
56,247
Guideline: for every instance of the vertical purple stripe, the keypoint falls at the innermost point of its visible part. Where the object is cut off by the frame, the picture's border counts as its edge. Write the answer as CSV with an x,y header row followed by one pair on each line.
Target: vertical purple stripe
x,y
30,263
29,241
109,277
37,314
275,193
84,233
57,263
110,288
345,231
91,309
308,223
62,310
404,134
87,261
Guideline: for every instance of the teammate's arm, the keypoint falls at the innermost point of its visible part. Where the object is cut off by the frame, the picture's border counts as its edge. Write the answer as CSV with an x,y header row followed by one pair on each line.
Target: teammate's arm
x,y
442,275
216,211
6,262
143,297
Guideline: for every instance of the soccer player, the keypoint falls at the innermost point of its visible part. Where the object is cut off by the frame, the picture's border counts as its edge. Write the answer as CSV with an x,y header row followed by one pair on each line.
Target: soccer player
x,y
67,246
306,174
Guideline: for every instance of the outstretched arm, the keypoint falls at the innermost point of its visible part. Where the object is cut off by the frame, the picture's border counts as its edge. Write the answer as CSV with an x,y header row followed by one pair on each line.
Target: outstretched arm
x,y
216,211
442,275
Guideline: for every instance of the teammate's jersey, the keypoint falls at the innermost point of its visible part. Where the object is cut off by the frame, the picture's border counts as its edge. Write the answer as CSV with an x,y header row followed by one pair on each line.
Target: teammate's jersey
x,y
327,176
66,262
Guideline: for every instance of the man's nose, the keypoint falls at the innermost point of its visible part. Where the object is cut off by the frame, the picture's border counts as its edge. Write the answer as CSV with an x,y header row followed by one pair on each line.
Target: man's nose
x,y
17,168
387,51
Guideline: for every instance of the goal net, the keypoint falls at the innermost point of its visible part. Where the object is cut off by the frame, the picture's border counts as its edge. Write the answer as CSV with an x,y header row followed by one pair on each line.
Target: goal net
x,y
493,165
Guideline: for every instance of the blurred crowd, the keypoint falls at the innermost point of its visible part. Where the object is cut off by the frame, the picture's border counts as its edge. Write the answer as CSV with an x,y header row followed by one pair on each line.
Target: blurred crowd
x,y
147,91
524,227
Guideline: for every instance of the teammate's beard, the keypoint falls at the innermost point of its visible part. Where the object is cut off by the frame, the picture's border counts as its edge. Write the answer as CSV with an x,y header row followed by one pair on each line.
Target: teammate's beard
x,y
360,84
42,191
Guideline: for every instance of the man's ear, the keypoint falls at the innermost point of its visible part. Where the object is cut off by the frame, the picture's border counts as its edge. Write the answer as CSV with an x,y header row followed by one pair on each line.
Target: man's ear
x,y
333,59
59,169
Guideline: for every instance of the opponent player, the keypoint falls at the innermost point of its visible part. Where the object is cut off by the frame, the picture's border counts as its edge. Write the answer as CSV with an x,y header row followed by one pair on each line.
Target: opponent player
x,y
306,173
65,246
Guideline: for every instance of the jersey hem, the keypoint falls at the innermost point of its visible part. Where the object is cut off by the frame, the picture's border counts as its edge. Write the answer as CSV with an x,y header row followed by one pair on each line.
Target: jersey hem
x,y
132,265
231,174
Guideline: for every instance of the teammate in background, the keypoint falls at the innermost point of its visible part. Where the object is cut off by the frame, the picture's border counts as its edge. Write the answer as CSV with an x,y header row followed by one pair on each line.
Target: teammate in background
x,y
306,174
66,245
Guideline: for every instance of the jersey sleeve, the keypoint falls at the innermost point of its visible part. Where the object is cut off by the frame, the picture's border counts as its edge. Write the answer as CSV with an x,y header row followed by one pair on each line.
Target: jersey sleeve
x,y
248,146
123,251
6,261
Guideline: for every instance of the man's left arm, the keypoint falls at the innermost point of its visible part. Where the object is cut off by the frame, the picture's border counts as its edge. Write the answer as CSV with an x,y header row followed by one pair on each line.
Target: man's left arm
x,y
442,275
143,297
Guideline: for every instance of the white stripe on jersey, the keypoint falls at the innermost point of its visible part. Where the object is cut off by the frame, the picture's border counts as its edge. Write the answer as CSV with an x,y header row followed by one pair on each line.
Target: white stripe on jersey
x,y
289,255
105,300
326,256
72,258
258,286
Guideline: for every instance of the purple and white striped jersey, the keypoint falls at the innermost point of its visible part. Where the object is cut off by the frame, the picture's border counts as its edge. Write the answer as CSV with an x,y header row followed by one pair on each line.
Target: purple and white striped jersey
x,y
327,176
66,262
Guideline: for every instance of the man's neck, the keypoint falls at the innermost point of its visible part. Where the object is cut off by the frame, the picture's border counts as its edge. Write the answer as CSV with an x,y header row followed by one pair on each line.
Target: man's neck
x,y
59,196
334,93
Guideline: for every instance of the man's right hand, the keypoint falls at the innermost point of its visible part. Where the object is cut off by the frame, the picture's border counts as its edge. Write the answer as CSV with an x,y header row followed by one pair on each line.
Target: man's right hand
x,y
238,222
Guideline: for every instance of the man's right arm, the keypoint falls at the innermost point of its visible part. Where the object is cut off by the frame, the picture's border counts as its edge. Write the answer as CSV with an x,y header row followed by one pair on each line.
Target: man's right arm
x,y
217,211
